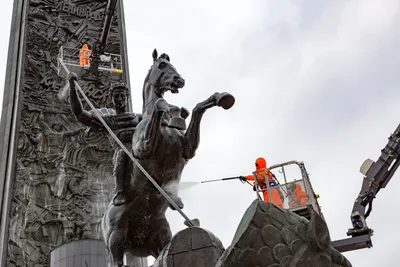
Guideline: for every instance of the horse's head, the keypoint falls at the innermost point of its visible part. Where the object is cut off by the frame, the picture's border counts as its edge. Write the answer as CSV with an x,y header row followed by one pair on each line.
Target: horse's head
x,y
164,76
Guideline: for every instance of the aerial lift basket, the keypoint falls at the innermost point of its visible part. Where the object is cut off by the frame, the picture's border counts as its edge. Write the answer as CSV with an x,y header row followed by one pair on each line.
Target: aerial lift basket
x,y
109,64
309,199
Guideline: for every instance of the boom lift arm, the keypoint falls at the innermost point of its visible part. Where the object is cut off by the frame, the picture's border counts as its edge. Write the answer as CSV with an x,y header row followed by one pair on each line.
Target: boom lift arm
x,y
99,46
376,176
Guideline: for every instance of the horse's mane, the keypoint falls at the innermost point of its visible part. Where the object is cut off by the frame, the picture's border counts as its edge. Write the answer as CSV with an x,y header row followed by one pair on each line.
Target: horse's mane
x,y
165,56
146,83
146,80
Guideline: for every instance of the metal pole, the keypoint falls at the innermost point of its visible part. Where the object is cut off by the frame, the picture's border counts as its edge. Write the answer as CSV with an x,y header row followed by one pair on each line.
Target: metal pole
x,y
284,174
219,180
268,187
107,23
257,186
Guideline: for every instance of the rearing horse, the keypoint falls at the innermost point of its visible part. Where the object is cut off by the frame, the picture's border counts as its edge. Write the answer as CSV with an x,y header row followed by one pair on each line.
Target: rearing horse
x,y
163,147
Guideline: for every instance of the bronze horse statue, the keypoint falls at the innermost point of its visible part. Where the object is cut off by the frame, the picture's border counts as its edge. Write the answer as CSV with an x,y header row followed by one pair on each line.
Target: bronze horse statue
x,y
163,146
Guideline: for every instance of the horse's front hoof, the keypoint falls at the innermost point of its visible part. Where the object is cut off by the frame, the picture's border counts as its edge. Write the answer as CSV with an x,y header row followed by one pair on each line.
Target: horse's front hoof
x,y
225,100
184,113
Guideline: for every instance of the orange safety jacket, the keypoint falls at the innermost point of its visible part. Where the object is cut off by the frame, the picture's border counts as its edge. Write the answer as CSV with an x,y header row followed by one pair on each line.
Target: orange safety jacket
x,y
84,55
298,196
261,169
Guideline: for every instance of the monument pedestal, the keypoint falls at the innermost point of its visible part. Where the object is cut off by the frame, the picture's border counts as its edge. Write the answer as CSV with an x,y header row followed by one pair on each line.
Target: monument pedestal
x,y
266,236
88,253
194,247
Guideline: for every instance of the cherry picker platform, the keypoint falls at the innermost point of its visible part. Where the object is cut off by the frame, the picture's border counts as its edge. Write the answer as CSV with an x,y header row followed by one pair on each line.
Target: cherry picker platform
x,y
109,65
95,61
297,195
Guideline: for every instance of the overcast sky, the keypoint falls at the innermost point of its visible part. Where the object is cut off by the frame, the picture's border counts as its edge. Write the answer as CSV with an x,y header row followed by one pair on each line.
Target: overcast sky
x,y
314,81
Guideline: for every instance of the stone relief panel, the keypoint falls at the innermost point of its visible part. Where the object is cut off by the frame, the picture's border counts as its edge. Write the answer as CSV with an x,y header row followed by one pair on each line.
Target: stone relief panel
x,y
64,171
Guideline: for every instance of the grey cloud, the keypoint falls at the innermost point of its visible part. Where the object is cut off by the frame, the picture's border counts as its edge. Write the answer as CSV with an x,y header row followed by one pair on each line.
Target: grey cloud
x,y
297,82
313,81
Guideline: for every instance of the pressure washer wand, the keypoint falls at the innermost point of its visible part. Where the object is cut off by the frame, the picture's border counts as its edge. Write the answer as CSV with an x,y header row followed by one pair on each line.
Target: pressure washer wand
x,y
218,180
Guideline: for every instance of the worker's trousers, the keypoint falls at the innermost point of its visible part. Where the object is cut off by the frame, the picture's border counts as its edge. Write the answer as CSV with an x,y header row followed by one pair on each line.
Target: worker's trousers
x,y
275,195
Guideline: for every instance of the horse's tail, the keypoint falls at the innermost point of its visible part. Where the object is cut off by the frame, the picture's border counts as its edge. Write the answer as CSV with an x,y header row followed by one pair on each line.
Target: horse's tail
x,y
105,228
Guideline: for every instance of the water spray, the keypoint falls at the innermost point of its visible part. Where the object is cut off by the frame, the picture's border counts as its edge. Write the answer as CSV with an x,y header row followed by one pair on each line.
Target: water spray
x,y
187,185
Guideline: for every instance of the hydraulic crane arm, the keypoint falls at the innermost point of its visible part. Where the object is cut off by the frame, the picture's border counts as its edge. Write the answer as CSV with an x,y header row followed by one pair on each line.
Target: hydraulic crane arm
x,y
100,45
108,15
376,176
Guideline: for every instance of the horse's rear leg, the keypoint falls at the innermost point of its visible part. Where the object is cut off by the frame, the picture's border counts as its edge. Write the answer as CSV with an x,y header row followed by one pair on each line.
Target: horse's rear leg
x,y
160,236
116,251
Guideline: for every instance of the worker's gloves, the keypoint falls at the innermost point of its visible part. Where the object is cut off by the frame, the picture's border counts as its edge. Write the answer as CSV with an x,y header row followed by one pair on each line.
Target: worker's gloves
x,y
72,77
242,178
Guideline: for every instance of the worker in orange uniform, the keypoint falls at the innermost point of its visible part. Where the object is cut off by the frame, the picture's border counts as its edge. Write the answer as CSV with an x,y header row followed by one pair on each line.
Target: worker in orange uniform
x,y
261,172
297,196
84,55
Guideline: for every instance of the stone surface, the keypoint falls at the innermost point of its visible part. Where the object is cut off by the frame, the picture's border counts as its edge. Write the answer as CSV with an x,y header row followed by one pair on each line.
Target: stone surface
x,y
82,253
269,236
63,172
9,111
195,247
